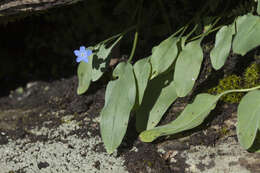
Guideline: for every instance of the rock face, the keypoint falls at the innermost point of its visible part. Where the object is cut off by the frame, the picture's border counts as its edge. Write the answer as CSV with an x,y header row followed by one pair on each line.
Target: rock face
x,y
227,156
13,7
46,127
33,140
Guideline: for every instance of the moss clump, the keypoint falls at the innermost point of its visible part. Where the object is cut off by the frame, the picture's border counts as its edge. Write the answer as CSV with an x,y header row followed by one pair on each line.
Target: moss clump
x,y
250,78
228,83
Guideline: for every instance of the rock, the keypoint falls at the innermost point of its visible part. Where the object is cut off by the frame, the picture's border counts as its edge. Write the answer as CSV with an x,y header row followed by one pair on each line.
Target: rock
x,y
226,156
15,7
56,130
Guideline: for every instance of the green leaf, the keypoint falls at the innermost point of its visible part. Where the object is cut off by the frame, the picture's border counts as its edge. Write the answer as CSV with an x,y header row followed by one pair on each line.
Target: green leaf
x,y
158,96
222,47
119,100
142,71
101,59
187,67
192,116
248,34
84,75
248,118
164,55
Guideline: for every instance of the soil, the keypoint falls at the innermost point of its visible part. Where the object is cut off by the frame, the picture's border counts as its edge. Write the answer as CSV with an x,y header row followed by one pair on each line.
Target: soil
x,y
210,147
42,98
31,106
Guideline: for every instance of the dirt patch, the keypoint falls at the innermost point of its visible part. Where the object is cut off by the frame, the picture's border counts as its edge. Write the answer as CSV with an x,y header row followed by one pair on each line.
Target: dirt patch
x,y
47,105
145,158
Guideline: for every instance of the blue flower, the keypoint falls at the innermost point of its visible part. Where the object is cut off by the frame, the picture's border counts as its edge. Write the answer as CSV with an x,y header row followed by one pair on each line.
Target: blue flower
x,y
82,54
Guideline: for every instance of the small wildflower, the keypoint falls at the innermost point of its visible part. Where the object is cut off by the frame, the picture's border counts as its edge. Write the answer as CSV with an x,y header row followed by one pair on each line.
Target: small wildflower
x,y
82,54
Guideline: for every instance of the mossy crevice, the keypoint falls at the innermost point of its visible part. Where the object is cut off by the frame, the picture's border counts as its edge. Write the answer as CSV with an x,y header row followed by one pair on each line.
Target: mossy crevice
x,y
249,79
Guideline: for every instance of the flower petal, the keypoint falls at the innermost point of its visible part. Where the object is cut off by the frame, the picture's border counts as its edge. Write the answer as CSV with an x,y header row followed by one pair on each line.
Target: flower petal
x,y
76,52
79,59
82,48
88,52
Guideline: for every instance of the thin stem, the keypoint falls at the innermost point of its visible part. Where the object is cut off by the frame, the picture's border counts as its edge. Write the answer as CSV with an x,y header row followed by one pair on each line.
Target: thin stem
x,y
192,31
198,14
137,30
211,26
133,48
198,36
181,29
140,15
118,35
208,32
165,17
134,15
239,90
184,29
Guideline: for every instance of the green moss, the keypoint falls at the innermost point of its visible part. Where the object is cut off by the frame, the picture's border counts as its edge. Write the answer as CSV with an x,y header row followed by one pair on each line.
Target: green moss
x,y
249,79
228,83
147,162
251,76
224,131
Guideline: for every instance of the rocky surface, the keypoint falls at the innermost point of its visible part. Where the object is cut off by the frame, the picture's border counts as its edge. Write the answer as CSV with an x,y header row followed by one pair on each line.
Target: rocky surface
x,y
46,127
15,7
58,150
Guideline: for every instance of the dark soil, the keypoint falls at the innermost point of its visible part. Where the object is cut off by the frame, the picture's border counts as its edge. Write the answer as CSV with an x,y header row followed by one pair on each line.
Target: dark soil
x,y
43,97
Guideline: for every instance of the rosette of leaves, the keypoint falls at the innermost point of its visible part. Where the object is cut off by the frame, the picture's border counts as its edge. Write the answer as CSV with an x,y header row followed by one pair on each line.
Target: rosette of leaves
x,y
151,85
245,39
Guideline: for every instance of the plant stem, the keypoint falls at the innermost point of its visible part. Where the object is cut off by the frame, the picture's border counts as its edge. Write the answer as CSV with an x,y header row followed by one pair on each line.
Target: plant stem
x,y
192,31
239,90
177,32
198,36
118,35
133,48
165,17
133,17
137,30
208,32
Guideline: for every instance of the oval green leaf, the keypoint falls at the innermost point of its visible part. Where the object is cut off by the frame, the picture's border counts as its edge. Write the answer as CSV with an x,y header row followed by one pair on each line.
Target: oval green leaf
x,y
119,100
192,116
84,75
187,67
142,71
222,47
101,60
248,118
158,96
248,34
164,55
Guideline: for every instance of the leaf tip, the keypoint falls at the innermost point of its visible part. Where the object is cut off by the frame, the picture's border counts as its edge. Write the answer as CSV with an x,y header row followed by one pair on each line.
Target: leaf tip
x,y
110,150
146,137
80,91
